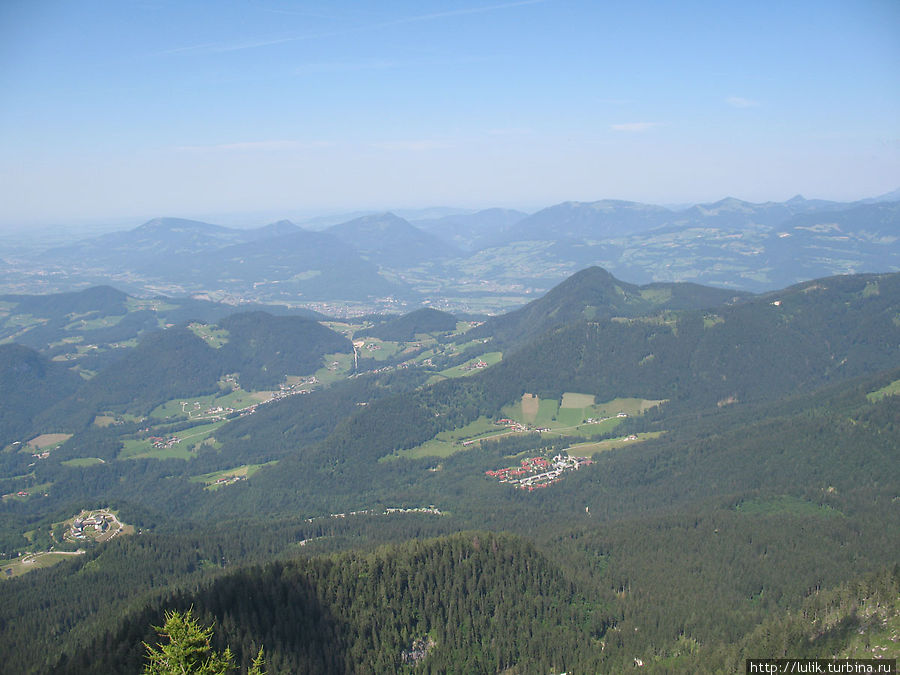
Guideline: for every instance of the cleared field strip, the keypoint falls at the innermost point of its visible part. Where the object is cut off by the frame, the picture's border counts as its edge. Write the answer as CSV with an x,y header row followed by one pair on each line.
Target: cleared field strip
x,y
448,442
183,448
83,461
893,389
217,479
473,366
48,440
588,449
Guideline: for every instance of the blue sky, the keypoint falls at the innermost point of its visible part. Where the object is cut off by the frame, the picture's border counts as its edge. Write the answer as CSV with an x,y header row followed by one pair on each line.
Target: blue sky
x,y
126,110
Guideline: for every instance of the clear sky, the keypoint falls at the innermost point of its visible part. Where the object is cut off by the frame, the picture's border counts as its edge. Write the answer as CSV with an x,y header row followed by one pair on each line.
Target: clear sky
x,y
130,109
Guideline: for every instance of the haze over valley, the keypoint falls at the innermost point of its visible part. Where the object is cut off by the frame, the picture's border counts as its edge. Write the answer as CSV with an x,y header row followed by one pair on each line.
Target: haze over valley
x,y
482,262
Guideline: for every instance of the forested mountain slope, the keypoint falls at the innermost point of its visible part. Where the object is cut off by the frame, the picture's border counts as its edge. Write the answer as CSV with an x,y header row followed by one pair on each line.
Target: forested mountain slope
x,y
28,384
593,294
390,241
766,471
465,599
260,347
425,320
264,348
102,318
769,347
751,508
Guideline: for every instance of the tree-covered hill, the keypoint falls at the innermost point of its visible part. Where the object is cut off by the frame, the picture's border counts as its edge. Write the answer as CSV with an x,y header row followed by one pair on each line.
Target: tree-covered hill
x,y
404,328
455,604
264,348
388,240
757,350
164,364
99,317
175,362
28,384
104,300
310,265
594,294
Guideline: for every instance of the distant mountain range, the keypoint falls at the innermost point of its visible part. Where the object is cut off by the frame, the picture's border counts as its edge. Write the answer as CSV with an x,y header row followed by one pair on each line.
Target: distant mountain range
x,y
495,256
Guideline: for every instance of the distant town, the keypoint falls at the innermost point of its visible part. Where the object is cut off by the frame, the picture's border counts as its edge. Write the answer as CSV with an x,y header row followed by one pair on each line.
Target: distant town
x,y
539,472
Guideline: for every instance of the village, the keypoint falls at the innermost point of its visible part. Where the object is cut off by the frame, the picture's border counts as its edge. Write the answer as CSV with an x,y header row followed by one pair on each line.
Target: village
x,y
539,472
195,410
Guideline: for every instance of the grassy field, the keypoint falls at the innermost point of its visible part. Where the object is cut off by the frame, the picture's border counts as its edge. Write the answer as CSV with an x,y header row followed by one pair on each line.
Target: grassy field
x,y
541,412
198,406
890,390
36,561
570,418
83,461
45,441
33,490
588,449
344,328
189,440
380,350
448,442
94,324
23,321
710,320
337,367
583,430
153,304
629,406
880,639
469,345
469,368
209,479
573,400
136,449
212,335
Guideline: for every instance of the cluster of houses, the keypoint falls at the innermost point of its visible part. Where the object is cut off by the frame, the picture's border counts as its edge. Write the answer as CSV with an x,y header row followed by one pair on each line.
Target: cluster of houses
x,y
212,412
432,509
285,390
228,480
512,425
538,472
597,420
159,442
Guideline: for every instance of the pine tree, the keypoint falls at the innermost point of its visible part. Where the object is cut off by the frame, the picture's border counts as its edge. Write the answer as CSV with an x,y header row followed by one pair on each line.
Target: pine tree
x,y
188,649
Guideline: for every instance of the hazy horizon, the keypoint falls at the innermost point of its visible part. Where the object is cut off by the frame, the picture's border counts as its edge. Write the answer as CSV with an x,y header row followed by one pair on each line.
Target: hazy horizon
x,y
118,113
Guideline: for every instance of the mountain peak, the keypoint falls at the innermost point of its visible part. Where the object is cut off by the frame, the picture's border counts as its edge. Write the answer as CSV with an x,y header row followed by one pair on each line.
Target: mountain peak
x,y
375,222
166,224
279,227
